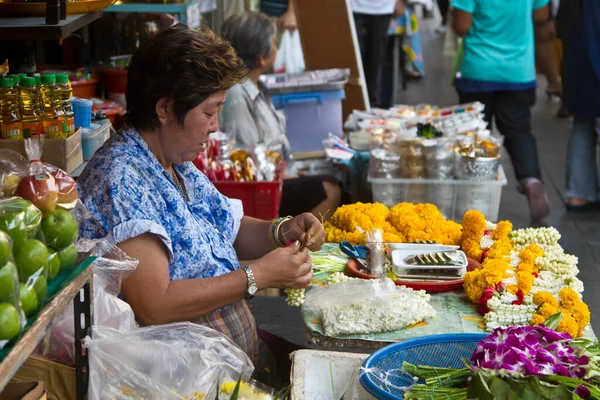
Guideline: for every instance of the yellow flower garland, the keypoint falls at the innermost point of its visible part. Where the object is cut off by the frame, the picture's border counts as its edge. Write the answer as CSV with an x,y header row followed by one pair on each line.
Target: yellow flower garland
x,y
576,314
405,222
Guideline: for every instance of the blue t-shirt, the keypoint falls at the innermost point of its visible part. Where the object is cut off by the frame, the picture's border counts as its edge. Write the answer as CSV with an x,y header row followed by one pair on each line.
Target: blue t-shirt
x,y
498,50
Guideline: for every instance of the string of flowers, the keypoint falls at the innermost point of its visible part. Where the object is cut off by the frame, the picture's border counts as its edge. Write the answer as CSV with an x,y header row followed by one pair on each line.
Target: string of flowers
x,y
403,223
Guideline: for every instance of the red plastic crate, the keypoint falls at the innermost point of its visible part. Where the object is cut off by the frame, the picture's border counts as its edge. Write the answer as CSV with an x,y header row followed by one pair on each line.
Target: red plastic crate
x,y
260,199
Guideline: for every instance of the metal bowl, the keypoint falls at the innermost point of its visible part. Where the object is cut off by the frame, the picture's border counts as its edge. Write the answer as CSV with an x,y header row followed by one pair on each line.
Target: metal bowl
x,y
439,159
476,169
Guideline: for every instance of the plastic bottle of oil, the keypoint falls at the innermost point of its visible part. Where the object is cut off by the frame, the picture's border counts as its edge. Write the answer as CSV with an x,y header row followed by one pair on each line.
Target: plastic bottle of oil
x,y
10,120
64,92
29,101
52,115
16,79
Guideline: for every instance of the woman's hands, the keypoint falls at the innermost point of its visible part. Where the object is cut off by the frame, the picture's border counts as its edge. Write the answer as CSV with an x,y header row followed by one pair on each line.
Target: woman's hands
x,y
306,228
284,267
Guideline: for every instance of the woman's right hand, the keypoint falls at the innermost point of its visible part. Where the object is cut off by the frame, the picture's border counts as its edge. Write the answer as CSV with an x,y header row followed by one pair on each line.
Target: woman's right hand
x,y
284,267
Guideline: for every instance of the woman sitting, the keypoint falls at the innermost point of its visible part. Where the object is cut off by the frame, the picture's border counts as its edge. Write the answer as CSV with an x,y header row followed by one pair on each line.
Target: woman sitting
x,y
142,188
250,116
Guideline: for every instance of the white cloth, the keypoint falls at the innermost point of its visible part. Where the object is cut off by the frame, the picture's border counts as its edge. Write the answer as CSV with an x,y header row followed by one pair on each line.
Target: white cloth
x,y
373,7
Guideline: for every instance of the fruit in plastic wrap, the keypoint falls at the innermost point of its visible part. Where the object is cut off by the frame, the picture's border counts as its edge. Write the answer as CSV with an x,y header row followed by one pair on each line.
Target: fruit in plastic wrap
x,y
67,257
13,223
38,185
53,263
10,321
32,216
67,189
59,229
41,288
29,300
7,287
31,260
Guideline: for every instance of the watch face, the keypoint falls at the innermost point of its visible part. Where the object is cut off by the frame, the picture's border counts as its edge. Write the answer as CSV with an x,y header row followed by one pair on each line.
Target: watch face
x,y
252,290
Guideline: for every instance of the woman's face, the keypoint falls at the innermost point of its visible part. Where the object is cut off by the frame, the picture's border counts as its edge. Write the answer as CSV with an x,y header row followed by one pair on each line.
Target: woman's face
x,y
270,59
180,144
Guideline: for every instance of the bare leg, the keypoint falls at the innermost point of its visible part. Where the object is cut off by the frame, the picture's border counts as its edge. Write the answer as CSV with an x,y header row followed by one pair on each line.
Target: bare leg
x,y
327,207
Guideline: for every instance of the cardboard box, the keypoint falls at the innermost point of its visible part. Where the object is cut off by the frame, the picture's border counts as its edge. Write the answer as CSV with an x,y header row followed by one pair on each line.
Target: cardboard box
x,y
59,380
24,391
66,154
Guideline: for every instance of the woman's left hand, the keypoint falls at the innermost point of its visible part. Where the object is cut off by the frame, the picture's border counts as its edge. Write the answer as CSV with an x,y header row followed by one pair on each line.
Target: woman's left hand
x,y
307,229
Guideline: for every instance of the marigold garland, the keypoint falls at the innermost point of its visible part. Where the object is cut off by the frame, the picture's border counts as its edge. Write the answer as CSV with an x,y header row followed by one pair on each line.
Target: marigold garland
x,y
405,222
576,314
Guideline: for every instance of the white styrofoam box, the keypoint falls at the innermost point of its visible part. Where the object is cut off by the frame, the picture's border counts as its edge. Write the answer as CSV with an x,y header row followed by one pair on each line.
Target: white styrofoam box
x,y
452,197
326,375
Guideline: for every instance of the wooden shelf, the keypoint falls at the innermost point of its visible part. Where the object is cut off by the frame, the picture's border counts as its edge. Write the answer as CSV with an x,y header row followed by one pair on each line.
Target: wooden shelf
x,y
32,28
36,332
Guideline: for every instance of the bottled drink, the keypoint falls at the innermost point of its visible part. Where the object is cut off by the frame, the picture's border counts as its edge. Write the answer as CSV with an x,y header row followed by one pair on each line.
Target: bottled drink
x,y
64,92
16,80
52,115
10,121
29,108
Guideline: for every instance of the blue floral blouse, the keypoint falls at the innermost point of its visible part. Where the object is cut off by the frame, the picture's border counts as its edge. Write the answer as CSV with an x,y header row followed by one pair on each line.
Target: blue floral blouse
x,y
129,193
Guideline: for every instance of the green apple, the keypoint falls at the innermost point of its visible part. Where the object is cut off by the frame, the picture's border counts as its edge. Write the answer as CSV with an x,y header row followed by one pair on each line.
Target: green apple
x,y
29,301
10,322
5,248
53,263
14,225
59,229
32,216
41,289
7,285
67,257
30,258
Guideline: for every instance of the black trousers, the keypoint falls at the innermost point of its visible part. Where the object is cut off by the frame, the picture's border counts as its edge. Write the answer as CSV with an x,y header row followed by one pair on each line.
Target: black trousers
x,y
444,6
511,110
372,32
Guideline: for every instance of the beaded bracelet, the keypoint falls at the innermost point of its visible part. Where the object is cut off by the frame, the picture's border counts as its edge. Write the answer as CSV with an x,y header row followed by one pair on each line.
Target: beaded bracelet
x,y
274,230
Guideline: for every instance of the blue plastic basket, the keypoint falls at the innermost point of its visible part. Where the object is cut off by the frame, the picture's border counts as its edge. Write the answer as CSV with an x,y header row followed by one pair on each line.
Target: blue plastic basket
x,y
444,351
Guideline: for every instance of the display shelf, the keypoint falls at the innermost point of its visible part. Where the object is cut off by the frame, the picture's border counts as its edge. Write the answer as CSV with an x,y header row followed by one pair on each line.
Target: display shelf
x,y
36,332
189,12
31,28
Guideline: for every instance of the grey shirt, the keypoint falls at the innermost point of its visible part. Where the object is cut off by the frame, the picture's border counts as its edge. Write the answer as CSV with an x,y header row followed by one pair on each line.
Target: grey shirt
x,y
250,116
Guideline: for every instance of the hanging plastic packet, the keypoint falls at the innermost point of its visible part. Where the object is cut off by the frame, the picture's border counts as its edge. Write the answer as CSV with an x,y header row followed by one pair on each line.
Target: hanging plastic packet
x,y
38,185
374,239
265,168
67,187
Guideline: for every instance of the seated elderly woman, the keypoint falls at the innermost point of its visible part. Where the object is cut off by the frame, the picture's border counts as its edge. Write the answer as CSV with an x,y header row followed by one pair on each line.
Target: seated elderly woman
x,y
250,116
142,188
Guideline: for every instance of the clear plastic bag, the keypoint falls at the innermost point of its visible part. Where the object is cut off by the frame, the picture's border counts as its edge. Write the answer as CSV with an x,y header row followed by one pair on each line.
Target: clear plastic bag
x,y
10,306
11,163
110,268
377,252
21,220
38,185
174,361
367,306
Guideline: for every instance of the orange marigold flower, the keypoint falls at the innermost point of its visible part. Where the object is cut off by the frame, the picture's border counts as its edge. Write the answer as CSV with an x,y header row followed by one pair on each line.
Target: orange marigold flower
x,y
547,310
568,325
473,289
537,319
503,228
544,298
568,297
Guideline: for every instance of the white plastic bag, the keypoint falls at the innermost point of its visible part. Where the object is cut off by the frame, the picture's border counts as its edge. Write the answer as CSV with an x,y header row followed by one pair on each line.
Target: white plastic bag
x,y
290,58
163,362
110,268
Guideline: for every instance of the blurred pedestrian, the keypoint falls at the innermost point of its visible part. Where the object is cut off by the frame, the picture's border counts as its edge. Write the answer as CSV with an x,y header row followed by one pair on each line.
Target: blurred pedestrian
x,y
497,69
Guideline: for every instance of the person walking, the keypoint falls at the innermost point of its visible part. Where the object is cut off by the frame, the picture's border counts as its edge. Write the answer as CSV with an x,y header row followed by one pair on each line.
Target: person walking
x,y
582,66
497,69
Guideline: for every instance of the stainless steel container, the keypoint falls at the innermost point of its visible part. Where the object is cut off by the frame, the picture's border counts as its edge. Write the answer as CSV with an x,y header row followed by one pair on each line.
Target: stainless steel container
x,y
412,159
476,168
384,164
439,158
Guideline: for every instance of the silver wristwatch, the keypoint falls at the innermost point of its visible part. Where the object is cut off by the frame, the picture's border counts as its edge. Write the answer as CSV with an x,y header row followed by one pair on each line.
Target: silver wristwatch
x,y
252,288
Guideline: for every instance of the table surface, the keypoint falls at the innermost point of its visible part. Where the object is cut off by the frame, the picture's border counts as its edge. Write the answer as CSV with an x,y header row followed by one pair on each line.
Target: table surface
x,y
31,28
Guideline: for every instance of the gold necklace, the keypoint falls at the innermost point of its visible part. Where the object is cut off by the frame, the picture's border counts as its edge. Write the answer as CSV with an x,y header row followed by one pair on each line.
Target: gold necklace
x,y
178,184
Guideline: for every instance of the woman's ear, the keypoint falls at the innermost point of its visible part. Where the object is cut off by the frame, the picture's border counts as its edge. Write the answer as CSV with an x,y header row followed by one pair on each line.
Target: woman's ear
x,y
164,109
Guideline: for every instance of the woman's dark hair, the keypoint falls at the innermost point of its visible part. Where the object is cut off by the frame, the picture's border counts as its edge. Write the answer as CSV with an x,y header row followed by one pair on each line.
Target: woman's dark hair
x,y
251,35
184,65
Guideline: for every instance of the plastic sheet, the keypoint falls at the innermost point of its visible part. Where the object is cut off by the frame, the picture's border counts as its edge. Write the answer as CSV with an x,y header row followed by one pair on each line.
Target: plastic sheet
x,y
164,362
11,163
377,252
10,307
